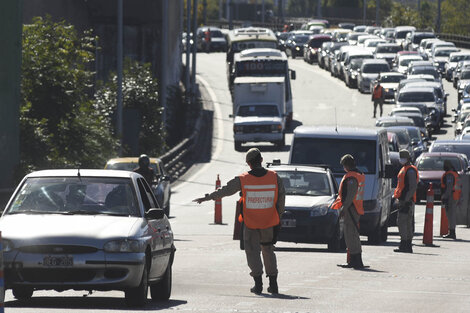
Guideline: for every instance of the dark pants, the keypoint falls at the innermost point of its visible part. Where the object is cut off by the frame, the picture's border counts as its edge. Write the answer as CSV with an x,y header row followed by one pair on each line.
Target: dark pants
x,y
379,102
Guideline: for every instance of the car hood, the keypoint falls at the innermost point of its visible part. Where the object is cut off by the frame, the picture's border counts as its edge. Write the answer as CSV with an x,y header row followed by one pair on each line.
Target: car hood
x,y
307,202
370,75
385,55
249,120
67,229
440,59
430,175
390,85
218,39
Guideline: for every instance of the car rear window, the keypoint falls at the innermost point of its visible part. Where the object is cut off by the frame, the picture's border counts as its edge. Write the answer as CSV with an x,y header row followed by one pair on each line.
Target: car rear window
x,y
416,96
305,183
448,147
436,163
330,151
375,68
76,195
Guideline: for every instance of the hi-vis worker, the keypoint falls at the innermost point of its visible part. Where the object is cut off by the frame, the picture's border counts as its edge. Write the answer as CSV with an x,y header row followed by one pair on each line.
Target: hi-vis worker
x,y
351,194
405,194
451,192
263,197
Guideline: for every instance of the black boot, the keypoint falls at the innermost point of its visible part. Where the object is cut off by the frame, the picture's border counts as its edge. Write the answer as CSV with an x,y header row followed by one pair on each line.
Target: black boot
x,y
401,248
356,261
258,287
450,235
273,284
409,246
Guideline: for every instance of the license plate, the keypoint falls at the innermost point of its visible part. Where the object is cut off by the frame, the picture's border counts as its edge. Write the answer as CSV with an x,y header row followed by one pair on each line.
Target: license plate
x,y
58,261
288,223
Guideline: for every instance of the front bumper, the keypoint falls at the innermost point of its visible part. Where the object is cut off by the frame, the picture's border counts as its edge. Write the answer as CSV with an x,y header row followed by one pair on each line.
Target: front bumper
x,y
317,229
90,271
423,186
258,137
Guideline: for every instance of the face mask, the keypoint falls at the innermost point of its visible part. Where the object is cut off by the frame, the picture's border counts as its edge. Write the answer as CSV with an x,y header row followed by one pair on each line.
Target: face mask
x,y
403,161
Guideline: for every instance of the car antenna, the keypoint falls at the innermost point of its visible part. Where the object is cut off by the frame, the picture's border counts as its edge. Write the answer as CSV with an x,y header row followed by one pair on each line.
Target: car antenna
x,y
78,174
336,122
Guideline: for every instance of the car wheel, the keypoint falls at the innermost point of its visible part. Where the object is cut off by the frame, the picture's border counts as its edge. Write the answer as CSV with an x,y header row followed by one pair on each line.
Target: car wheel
x,y
238,145
23,293
137,296
334,244
375,237
384,232
292,54
161,291
167,209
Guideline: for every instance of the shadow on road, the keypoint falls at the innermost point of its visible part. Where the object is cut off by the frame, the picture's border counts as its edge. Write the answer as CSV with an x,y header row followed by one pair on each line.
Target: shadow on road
x,y
283,296
102,303
288,249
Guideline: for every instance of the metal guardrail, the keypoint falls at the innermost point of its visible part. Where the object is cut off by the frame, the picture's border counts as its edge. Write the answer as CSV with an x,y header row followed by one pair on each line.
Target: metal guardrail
x,y
459,40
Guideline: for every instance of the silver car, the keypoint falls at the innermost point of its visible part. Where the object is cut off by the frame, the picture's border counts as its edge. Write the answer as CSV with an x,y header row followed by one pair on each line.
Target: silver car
x,y
87,230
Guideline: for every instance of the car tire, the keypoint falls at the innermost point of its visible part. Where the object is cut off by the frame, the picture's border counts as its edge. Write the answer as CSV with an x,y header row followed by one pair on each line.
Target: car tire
x,y
292,55
137,296
335,242
238,145
167,209
161,291
375,237
23,293
384,232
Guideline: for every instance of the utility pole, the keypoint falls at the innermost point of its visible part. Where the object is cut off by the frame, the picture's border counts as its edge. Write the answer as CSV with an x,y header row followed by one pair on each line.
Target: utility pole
x,y
187,75
119,53
193,71
204,12
164,63
377,12
11,24
319,14
281,10
364,12
263,11
220,10
230,14
438,22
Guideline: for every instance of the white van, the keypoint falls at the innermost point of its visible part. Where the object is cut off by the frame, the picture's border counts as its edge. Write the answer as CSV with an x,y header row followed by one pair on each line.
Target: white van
x,y
369,147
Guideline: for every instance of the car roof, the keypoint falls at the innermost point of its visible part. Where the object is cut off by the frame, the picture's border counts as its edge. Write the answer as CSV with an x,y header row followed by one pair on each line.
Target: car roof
x,y
298,167
407,88
83,173
333,132
406,109
391,74
258,80
320,36
388,45
414,84
451,142
393,118
410,113
439,154
374,61
130,160
260,53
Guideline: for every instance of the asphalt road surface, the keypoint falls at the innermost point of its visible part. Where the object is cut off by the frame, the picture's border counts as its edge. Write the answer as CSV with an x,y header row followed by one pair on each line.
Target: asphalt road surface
x,y
210,272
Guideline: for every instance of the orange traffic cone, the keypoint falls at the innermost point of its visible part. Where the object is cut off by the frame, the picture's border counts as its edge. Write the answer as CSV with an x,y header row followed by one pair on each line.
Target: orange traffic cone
x,y
218,204
428,219
444,222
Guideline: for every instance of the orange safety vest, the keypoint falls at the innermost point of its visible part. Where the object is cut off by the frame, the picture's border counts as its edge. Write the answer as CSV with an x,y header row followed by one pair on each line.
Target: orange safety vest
x,y
401,181
259,196
456,190
358,198
377,93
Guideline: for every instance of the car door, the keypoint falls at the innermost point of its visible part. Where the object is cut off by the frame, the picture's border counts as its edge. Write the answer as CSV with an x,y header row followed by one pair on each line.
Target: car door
x,y
153,229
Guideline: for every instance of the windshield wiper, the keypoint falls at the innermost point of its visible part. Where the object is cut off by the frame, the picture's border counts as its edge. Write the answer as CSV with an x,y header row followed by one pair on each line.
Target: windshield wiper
x,y
85,212
34,212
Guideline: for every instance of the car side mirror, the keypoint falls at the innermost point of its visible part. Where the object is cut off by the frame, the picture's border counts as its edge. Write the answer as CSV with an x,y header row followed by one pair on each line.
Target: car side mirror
x,y
154,214
389,171
293,75
230,116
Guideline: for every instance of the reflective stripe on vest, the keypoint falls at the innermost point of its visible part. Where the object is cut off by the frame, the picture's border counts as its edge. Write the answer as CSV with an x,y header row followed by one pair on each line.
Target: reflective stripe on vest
x,y
358,198
401,181
456,189
259,196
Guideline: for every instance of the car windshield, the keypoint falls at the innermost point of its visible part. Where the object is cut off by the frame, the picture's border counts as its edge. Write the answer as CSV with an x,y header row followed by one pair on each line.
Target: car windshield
x,y
465,75
258,110
443,53
375,68
252,44
436,163
362,57
405,62
373,43
414,133
128,166
417,38
356,64
448,147
216,34
402,34
300,39
457,58
330,151
402,135
317,42
388,49
417,120
395,123
305,183
416,96
391,78
425,70
76,195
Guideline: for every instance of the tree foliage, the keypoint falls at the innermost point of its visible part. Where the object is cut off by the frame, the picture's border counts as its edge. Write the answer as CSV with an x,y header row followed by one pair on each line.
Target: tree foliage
x,y
140,91
456,17
59,126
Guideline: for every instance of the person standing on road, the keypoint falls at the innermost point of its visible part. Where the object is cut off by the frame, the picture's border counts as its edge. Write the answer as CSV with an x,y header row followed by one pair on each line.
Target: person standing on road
x,y
145,170
450,195
207,39
263,197
405,194
349,201
378,98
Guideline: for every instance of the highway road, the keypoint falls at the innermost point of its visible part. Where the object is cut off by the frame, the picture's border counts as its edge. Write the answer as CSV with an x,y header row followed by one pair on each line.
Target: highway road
x,y
210,272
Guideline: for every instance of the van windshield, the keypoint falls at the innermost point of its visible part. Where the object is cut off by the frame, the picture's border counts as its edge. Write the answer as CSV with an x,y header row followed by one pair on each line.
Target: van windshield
x,y
329,151
258,110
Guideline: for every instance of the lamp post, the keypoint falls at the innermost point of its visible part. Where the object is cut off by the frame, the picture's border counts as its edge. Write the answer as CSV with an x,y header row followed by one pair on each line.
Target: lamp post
x,y
119,53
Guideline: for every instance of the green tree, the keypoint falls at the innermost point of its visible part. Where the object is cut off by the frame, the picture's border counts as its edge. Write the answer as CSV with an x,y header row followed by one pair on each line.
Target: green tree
x,y
455,17
140,91
59,126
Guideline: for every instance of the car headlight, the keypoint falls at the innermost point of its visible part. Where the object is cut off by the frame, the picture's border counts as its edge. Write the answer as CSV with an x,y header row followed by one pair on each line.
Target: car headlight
x,y
124,245
387,90
276,128
297,48
319,210
7,245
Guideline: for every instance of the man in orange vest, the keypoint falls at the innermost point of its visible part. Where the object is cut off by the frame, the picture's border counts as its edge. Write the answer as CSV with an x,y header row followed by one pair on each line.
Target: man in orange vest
x,y
405,194
263,197
349,201
451,192
378,98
